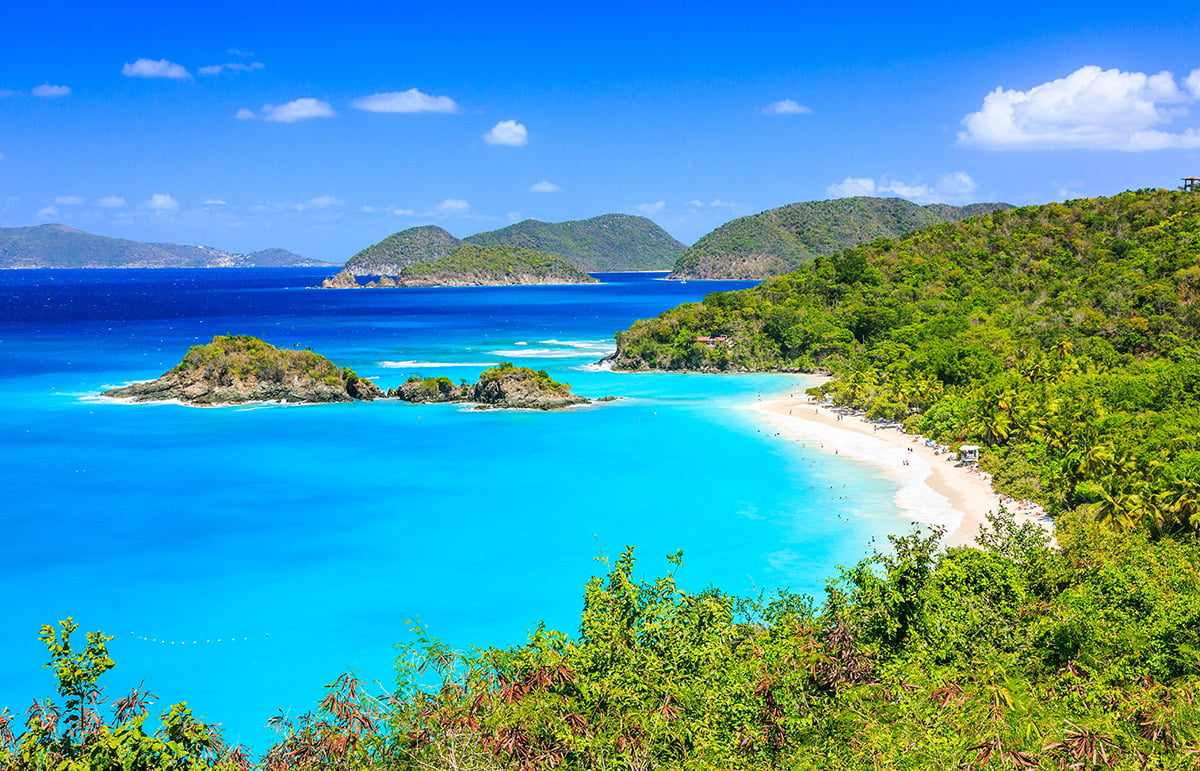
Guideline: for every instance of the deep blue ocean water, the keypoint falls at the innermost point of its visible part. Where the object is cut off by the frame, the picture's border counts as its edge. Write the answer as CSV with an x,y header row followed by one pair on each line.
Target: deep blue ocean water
x,y
242,557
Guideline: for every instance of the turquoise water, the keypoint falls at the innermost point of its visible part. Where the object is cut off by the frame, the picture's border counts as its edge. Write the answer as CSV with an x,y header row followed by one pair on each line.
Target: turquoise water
x,y
243,557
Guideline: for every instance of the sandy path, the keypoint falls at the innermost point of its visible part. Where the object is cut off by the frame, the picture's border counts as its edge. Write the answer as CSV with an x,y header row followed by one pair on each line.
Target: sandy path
x,y
931,488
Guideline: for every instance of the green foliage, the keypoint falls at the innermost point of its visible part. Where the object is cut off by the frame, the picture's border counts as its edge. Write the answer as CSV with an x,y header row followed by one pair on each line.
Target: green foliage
x,y
473,265
507,370
1063,337
402,250
230,358
1010,656
779,240
610,242
89,742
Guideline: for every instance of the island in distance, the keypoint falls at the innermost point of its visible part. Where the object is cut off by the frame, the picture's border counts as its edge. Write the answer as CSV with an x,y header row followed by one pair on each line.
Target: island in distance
x,y
240,369
59,246
462,265
609,242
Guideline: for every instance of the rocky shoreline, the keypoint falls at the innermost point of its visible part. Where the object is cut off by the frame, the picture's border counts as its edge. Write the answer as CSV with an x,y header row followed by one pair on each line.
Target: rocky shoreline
x,y
239,369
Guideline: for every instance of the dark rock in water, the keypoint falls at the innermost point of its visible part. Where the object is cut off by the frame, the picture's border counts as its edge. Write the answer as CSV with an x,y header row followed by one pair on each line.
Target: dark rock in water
x,y
236,369
502,387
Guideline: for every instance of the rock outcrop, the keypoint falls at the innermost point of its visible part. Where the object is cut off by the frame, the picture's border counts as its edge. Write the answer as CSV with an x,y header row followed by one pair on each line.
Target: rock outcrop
x,y
502,387
236,369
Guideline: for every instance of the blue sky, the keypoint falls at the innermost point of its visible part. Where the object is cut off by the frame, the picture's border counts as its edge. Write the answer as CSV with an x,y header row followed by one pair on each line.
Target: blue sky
x,y
323,127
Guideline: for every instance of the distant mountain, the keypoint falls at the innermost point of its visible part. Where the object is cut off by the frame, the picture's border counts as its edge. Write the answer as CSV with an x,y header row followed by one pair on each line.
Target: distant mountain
x,y
59,246
779,240
474,265
609,242
402,250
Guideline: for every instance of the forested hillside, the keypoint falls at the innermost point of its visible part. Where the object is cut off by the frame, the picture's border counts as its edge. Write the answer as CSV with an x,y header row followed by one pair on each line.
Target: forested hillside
x,y
779,240
609,242
1062,337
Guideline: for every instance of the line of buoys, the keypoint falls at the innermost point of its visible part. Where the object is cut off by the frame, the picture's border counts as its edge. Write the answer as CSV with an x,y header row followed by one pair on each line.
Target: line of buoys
x,y
144,638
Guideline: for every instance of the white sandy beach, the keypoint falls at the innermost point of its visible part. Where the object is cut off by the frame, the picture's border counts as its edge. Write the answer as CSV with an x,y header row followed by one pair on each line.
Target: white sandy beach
x,y
932,489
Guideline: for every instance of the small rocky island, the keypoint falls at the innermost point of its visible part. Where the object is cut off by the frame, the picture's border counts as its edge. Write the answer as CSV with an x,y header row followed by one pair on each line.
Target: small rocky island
x,y
502,386
234,369
238,369
464,265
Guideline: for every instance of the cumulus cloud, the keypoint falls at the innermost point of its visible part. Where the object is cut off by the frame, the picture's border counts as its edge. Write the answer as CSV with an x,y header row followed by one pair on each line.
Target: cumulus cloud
x,y
1089,109
507,132
452,205
648,209
545,186
47,91
160,202
297,109
215,202
716,203
411,100
240,52
320,202
69,200
48,211
786,107
956,187
155,68
404,212
111,202
217,69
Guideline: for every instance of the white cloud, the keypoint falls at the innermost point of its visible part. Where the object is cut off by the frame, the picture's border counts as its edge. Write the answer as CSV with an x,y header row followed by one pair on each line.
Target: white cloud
x,y
1089,109
850,187
69,200
545,186
8,92
320,202
648,209
50,92
215,202
240,52
507,132
786,107
160,202
111,202
404,212
452,205
411,100
217,69
244,114
298,109
716,203
49,211
956,187
155,68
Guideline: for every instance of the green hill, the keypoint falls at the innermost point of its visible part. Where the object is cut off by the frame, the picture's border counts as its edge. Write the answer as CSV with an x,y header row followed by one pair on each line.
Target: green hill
x,y
779,240
402,250
474,265
1063,338
610,242
59,246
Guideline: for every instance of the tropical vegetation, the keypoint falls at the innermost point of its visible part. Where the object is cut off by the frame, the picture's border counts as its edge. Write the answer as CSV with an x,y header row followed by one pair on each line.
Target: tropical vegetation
x,y
1009,655
609,242
780,240
1062,337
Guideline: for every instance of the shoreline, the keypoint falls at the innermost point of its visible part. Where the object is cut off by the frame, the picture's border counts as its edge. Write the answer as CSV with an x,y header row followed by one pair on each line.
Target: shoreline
x,y
932,490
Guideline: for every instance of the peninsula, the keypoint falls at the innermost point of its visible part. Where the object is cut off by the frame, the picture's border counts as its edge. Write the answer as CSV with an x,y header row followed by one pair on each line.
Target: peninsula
x,y
463,265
